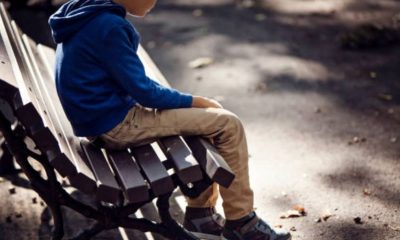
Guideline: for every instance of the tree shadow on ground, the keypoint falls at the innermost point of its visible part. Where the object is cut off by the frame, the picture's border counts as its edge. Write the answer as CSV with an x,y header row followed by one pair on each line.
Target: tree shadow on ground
x,y
348,231
354,178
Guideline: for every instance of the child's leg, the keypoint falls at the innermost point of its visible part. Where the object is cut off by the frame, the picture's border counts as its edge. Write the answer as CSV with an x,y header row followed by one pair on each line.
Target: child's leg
x,y
219,125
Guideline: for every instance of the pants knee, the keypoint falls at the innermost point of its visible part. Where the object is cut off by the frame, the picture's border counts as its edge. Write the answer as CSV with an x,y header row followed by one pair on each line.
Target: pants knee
x,y
231,121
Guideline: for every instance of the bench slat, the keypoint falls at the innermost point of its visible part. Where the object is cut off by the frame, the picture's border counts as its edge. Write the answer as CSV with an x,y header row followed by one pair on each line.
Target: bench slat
x,y
82,176
11,48
107,187
25,110
185,165
211,161
8,83
128,175
156,174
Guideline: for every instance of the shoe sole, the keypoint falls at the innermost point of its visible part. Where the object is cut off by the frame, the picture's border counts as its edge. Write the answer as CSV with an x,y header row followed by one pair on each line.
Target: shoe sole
x,y
204,236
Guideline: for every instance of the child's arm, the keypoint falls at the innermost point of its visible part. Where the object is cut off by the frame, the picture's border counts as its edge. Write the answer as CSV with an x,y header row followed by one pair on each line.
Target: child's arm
x,y
121,61
203,102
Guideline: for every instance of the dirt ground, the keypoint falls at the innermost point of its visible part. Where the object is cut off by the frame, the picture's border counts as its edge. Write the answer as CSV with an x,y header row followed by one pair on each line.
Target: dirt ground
x,y
322,122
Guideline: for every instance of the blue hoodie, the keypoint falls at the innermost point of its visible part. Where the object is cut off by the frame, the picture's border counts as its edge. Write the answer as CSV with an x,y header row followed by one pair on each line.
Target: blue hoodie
x,y
99,76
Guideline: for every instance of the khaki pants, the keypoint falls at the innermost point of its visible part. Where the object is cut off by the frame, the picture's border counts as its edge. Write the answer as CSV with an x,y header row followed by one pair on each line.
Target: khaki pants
x,y
223,128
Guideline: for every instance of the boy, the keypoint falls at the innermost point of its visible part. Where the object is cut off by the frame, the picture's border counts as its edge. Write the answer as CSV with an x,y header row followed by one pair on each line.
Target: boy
x,y
102,87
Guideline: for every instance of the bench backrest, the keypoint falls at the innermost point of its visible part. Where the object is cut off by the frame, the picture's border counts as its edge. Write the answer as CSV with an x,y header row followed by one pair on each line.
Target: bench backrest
x,y
138,174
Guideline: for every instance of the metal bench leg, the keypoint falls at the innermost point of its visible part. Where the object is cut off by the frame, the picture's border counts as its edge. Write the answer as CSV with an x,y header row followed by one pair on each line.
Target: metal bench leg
x,y
6,161
175,230
18,148
58,231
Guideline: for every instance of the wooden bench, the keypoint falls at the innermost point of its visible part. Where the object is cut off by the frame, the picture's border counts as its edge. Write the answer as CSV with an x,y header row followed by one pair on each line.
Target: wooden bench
x,y
121,181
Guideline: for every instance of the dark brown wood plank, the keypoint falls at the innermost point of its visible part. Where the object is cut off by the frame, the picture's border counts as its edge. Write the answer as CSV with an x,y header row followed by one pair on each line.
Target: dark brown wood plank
x,y
107,186
8,83
211,161
129,176
6,70
156,174
24,104
186,167
12,50
69,144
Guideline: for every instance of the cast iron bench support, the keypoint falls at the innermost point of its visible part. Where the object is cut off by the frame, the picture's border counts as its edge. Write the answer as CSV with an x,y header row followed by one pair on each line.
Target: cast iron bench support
x,y
107,217
6,160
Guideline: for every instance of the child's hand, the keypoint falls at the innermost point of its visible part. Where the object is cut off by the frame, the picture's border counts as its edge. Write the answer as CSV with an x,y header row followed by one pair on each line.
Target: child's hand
x,y
203,102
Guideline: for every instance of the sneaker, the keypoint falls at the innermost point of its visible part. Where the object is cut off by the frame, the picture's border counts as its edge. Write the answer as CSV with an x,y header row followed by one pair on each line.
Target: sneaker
x,y
204,223
253,228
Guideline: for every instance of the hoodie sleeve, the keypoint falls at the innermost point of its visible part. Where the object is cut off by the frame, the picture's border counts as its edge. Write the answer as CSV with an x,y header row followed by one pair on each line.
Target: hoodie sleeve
x,y
122,62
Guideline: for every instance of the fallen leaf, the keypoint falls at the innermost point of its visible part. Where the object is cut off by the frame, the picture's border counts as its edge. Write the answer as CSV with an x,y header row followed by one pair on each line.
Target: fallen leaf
x,y
326,215
261,87
260,17
366,192
386,97
293,229
201,62
300,209
278,226
356,140
197,13
291,214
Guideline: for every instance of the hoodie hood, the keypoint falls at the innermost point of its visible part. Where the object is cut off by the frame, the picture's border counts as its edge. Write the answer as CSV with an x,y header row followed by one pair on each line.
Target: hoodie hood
x,y
74,14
